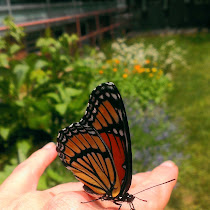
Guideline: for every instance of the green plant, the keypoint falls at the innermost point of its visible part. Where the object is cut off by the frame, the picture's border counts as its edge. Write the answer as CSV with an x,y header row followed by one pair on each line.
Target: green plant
x,y
38,91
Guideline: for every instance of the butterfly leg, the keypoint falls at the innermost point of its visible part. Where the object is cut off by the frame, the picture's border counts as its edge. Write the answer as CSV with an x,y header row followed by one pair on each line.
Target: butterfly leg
x,y
119,204
131,206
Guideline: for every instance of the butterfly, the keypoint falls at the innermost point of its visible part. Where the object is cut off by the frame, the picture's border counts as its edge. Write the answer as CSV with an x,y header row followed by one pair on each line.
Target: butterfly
x,y
97,149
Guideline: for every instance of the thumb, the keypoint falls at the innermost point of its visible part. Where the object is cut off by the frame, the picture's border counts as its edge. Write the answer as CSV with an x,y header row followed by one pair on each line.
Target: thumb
x,y
26,175
155,187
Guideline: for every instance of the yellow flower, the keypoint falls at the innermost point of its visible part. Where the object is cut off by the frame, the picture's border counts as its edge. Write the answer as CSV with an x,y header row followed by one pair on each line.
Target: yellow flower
x,y
147,70
154,70
151,75
141,70
125,76
101,72
147,61
117,61
114,69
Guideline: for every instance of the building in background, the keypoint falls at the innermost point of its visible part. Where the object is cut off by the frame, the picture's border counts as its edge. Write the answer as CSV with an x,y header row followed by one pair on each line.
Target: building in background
x,y
91,18
72,16
176,14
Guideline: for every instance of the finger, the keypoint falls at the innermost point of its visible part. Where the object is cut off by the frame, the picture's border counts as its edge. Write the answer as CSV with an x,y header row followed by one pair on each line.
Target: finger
x,y
139,178
72,186
25,176
157,197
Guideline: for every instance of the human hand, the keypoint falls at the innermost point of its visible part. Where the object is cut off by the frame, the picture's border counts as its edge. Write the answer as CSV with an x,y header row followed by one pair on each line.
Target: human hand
x,y
19,191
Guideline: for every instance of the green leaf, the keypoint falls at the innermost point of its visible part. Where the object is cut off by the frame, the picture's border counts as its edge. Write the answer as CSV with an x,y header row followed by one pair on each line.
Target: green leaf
x,y
72,92
2,44
8,169
39,121
4,60
61,108
23,148
14,48
4,132
54,96
42,105
40,64
20,103
20,71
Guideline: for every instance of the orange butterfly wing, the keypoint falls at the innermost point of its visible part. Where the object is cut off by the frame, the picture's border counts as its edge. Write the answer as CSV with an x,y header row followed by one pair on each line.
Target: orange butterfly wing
x,y
106,113
82,151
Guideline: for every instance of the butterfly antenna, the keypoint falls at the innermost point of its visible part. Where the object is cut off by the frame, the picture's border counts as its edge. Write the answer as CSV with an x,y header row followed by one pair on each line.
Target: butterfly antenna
x,y
155,186
141,199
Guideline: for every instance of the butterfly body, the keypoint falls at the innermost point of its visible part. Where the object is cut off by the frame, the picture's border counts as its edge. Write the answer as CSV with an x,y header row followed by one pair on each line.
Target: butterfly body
x,y
98,148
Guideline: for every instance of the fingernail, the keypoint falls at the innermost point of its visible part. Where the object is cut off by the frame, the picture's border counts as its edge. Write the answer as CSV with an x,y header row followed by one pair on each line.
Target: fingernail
x,y
49,145
168,163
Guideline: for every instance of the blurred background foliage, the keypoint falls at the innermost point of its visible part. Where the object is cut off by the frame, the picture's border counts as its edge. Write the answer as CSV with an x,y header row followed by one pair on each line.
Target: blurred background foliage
x,y
43,92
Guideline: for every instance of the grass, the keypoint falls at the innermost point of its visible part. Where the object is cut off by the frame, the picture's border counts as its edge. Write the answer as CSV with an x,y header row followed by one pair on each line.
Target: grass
x,y
190,102
190,99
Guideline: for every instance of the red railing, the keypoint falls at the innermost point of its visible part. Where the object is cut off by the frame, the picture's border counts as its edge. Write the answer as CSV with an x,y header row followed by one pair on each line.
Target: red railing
x,y
76,17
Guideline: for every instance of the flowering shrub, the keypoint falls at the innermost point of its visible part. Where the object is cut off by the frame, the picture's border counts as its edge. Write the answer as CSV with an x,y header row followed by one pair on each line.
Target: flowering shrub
x,y
140,72
168,57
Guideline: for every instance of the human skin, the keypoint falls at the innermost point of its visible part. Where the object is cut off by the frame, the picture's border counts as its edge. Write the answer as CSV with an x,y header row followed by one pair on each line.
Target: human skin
x,y
19,190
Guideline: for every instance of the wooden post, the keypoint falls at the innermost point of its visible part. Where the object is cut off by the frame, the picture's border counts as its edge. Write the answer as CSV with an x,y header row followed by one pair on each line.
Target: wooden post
x,y
98,28
78,30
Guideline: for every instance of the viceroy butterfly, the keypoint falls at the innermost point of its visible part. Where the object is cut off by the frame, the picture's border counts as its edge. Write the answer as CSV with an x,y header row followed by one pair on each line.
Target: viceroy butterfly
x,y
98,148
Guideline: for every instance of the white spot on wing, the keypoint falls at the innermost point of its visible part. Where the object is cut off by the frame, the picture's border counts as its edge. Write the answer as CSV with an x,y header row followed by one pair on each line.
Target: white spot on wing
x,y
64,139
121,132
68,134
92,132
101,97
115,131
107,94
120,113
114,96
91,118
110,83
